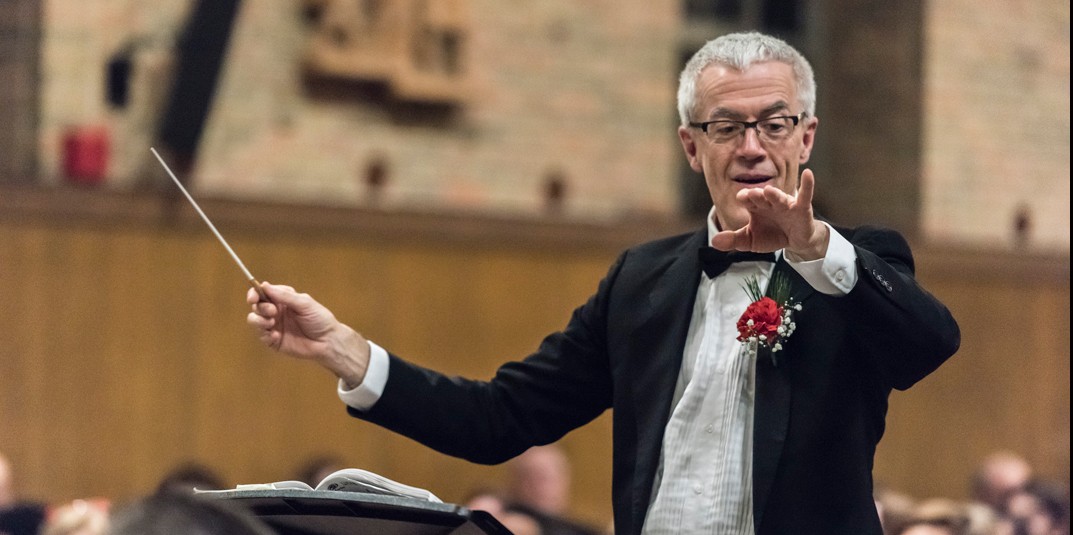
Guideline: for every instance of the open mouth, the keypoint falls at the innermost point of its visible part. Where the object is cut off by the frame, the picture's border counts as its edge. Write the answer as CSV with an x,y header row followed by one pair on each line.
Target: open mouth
x,y
751,180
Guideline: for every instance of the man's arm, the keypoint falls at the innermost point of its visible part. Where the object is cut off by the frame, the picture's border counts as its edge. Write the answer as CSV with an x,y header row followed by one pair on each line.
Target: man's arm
x,y
907,332
563,385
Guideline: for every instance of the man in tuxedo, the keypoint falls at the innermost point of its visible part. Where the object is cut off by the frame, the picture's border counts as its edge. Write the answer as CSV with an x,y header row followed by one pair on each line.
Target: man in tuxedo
x,y
709,436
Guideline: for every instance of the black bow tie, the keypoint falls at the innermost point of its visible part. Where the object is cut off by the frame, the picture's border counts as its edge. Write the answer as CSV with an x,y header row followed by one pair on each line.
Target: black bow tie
x,y
714,261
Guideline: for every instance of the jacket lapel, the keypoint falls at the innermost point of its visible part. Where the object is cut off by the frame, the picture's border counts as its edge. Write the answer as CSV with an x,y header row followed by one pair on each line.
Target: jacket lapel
x,y
772,405
658,339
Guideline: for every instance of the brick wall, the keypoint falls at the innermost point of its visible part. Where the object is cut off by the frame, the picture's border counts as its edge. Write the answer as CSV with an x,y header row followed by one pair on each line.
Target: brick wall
x,y
78,41
996,122
946,121
583,91
19,39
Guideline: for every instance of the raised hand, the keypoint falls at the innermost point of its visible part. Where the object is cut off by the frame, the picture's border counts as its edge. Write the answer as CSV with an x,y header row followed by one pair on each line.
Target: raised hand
x,y
297,325
778,220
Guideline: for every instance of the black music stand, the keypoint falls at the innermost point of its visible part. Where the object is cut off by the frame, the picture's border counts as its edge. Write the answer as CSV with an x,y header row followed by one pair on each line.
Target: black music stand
x,y
329,512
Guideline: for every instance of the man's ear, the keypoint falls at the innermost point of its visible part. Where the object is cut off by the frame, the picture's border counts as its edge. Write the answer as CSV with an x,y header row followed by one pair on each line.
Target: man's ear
x,y
808,138
689,145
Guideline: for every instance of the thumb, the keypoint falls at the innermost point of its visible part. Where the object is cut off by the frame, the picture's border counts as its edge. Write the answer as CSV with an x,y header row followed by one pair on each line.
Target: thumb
x,y
807,187
732,240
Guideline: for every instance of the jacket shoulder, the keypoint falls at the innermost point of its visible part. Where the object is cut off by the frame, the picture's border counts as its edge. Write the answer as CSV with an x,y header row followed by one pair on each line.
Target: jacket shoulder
x,y
667,246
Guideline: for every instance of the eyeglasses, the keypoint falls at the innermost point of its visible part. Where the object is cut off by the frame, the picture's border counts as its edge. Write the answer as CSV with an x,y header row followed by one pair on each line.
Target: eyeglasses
x,y
771,129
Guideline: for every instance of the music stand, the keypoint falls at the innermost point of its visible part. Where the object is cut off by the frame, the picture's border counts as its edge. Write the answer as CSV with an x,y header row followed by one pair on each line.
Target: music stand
x,y
328,512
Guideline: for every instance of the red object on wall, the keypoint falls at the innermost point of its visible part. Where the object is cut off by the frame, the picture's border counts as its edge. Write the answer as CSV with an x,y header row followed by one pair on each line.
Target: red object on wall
x,y
85,154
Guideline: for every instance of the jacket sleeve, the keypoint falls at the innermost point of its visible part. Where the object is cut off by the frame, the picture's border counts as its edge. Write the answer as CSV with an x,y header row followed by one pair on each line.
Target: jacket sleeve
x,y
908,332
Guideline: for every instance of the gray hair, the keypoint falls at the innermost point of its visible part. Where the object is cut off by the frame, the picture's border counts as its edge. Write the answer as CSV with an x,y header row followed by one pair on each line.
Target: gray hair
x,y
741,50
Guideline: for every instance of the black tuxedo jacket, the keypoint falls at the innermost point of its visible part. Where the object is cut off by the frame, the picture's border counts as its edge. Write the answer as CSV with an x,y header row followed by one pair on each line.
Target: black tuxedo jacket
x,y
819,413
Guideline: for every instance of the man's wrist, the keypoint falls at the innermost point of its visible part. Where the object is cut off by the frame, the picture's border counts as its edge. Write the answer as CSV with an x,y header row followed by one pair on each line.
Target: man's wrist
x,y
836,273
348,356
362,397
816,247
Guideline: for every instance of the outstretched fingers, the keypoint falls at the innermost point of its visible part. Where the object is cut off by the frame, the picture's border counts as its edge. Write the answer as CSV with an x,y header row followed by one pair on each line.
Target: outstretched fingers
x,y
765,201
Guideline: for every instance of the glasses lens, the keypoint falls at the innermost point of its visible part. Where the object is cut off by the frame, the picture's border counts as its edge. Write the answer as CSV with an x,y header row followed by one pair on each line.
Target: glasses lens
x,y
776,128
724,131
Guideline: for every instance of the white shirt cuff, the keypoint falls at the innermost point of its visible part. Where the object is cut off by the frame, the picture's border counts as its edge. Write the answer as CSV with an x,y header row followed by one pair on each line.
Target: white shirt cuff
x,y
835,273
365,395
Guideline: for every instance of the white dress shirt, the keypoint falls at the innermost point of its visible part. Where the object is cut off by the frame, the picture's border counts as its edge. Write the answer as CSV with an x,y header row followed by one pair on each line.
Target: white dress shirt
x,y
704,481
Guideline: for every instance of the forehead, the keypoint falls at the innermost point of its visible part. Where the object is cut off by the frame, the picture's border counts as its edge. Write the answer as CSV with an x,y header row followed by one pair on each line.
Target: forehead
x,y
761,87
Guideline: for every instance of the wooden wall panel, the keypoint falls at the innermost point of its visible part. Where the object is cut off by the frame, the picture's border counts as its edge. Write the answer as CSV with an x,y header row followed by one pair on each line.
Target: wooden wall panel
x,y
1007,388
124,350
127,351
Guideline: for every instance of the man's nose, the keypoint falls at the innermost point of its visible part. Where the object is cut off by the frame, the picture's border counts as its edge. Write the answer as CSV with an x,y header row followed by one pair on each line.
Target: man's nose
x,y
750,143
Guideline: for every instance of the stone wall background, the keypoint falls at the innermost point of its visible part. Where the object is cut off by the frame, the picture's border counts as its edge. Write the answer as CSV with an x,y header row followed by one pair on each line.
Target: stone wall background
x,y
946,119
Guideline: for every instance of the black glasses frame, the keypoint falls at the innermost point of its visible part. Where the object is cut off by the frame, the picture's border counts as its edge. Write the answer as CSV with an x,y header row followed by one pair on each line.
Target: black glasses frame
x,y
749,124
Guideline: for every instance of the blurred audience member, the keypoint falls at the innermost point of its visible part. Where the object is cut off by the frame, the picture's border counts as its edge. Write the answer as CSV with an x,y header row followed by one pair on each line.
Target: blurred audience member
x,y
492,502
538,484
999,475
941,516
488,500
80,517
318,468
895,508
930,527
1039,508
171,513
937,517
539,479
7,483
982,519
17,517
520,523
22,519
189,476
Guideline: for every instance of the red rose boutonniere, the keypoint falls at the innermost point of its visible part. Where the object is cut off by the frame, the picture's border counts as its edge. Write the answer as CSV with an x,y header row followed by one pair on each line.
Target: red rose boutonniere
x,y
768,321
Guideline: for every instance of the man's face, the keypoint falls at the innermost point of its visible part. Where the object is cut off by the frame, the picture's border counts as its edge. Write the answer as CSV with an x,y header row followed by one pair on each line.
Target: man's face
x,y
763,90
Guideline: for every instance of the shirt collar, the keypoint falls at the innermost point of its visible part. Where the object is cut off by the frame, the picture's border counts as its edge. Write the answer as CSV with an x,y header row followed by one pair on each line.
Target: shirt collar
x,y
712,226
